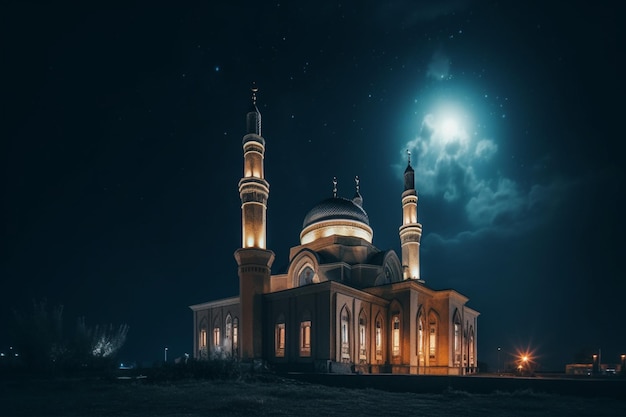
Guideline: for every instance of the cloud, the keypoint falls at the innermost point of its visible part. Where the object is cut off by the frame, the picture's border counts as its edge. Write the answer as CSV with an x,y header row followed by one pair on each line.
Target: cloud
x,y
495,204
485,149
447,164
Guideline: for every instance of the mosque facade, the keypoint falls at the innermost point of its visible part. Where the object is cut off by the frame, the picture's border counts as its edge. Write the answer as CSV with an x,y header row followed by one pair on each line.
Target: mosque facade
x,y
343,305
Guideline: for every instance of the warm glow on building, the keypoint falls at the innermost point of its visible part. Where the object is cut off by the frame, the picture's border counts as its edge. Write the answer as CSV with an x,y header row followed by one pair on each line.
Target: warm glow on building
x,y
333,228
339,303
409,214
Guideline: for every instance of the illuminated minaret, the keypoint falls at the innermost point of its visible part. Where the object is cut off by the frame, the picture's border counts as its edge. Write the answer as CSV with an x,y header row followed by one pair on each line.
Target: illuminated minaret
x,y
411,229
254,260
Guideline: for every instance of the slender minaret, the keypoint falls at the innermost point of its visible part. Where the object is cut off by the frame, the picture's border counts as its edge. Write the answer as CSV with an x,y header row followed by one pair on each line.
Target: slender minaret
x,y
411,229
254,260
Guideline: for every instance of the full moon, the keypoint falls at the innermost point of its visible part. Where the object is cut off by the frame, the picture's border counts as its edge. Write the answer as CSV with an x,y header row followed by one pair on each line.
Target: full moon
x,y
449,128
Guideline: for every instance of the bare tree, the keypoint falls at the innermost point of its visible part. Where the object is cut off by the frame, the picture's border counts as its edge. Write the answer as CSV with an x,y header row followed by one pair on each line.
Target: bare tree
x,y
43,345
100,341
39,336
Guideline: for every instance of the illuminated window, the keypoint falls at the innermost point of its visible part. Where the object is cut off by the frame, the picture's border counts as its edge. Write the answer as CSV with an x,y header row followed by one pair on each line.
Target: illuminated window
x,y
279,335
235,334
345,335
432,339
362,339
457,342
395,336
216,336
202,340
306,276
305,338
228,334
379,339
472,362
420,338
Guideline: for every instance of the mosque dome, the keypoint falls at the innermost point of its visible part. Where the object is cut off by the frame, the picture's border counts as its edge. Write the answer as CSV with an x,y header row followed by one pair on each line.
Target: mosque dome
x,y
336,216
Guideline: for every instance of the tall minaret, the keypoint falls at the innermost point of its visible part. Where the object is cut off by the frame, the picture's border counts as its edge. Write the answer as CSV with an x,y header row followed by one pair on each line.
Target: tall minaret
x,y
254,260
411,229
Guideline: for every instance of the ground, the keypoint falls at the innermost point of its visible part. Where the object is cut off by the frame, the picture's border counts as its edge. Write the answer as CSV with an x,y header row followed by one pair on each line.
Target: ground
x,y
276,396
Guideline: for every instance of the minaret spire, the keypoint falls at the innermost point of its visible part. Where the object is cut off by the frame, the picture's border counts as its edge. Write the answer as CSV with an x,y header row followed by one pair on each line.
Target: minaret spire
x,y
253,258
254,90
253,119
334,187
411,229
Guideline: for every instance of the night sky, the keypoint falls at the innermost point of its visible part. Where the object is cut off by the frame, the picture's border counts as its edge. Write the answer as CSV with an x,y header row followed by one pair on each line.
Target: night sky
x,y
121,153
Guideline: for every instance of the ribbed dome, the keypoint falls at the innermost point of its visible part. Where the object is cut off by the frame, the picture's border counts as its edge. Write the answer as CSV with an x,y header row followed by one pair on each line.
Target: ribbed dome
x,y
335,208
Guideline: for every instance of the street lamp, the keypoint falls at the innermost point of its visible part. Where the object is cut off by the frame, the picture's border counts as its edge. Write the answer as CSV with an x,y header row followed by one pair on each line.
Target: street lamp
x,y
595,367
165,354
623,368
523,364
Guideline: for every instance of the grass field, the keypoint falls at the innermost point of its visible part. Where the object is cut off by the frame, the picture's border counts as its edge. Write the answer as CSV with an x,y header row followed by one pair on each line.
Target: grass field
x,y
275,396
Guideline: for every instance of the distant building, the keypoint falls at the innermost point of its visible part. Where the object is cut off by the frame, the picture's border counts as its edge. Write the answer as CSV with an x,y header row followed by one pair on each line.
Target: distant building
x,y
342,305
587,369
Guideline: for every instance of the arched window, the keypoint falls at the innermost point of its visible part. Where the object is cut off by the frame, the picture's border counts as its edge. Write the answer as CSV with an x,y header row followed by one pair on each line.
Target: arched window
x,y
362,337
306,276
216,336
305,335
235,335
457,339
228,335
472,359
395,336
279,336
420,339
202,338
379,338
432,336
345,335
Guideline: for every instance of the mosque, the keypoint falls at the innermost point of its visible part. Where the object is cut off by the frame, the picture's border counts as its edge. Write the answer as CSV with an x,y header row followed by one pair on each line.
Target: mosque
x,y
342,305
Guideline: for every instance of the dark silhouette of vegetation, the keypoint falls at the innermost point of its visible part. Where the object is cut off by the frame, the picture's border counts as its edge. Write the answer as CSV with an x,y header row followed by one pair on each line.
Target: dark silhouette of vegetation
x,y
213,368
44,346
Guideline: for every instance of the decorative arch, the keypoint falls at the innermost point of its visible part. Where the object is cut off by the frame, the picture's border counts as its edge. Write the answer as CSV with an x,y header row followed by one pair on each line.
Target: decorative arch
x,y
203,338
471,348
396,328
217,336
391,269
433,336
304,268
421,335
344,333
362,336
228,334
393,266
457,338
379,329
236,336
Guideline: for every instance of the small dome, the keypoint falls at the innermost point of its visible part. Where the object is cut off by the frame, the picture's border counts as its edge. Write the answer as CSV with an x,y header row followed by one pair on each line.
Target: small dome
x,y
335,208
